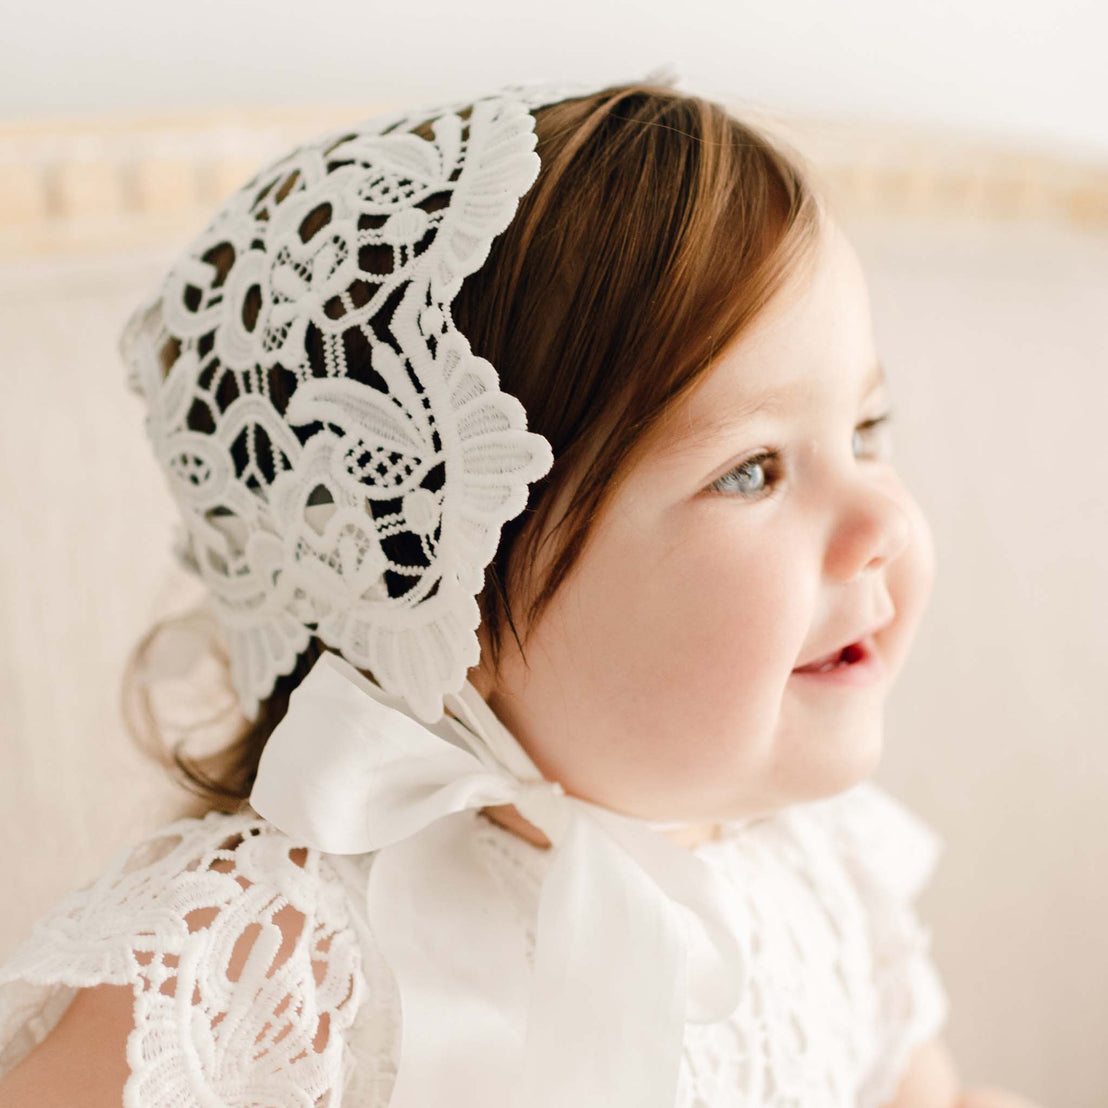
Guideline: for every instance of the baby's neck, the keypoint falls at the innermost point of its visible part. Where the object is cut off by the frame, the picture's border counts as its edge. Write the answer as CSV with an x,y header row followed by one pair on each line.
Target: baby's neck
x,y
508,817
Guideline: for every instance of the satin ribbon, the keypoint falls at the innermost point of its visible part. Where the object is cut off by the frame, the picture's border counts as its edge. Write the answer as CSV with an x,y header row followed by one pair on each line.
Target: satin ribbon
x,y
633,936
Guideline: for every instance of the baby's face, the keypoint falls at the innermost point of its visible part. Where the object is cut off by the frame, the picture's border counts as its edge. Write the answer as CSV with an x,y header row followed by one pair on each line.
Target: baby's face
x,y
661,680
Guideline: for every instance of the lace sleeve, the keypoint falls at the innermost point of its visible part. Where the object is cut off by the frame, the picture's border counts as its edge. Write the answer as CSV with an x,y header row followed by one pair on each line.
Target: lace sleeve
x,y
237,944
891,854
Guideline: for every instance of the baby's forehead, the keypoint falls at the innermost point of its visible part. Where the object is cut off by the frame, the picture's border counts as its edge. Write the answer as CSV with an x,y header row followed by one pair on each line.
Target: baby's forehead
x,y
726,401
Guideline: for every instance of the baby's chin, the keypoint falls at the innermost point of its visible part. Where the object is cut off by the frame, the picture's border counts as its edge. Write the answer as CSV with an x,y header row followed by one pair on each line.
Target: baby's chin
x,y
818,763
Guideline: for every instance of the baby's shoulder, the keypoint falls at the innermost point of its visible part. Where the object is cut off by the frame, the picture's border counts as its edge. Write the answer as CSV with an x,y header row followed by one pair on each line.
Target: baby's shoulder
x,y
227,911
209,873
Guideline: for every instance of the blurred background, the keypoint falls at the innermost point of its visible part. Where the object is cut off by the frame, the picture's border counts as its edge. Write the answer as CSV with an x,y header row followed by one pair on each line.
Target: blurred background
x,y
966,147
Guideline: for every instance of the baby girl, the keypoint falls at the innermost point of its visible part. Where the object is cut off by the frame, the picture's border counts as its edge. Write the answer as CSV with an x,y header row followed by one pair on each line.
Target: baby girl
x,y
535,452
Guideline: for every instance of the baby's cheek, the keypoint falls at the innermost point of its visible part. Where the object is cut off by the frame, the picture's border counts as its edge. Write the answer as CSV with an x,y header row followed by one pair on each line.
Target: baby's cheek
x,y
737,662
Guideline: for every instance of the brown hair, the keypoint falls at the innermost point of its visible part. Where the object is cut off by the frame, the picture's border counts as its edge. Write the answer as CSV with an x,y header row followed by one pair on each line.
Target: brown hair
x,y
658,229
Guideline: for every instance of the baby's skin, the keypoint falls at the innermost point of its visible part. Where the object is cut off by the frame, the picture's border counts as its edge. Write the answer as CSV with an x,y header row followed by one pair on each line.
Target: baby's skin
x,y
994,1098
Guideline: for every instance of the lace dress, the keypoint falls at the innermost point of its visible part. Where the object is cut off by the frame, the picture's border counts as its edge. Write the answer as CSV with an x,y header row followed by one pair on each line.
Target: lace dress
x,y
841,986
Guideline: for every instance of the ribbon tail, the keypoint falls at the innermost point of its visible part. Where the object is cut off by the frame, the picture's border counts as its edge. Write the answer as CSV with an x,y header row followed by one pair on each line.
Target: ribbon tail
x,y
717,970
441,923
606,1020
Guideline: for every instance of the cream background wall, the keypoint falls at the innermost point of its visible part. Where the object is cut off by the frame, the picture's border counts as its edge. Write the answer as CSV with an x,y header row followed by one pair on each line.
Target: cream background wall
x,y
996,733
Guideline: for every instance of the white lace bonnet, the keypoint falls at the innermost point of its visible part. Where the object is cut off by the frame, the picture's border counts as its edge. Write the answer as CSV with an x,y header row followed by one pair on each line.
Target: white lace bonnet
x,y
343,464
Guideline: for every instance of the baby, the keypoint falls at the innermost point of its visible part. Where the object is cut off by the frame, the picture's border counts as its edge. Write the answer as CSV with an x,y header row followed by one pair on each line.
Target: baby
x,y
710,594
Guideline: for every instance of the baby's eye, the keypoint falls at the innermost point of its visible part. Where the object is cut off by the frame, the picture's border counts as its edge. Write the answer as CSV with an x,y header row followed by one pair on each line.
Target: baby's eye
x,y
751,480
878,425
736,480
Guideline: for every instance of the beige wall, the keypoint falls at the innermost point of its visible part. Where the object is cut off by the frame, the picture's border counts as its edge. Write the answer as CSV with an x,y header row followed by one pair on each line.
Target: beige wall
x,y
994,337
998,729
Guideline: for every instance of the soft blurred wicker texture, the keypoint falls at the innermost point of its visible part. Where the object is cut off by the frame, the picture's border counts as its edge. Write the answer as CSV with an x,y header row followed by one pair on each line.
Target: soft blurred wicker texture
x,y
988,270
125,182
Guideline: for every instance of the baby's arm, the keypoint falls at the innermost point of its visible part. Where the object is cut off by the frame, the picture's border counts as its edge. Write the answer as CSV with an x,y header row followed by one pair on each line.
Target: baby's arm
x,y
994,1098
931,1081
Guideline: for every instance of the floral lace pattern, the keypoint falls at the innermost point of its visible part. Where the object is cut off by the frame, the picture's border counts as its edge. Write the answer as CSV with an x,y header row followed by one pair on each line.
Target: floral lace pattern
x,y
342,461
168,919
841,986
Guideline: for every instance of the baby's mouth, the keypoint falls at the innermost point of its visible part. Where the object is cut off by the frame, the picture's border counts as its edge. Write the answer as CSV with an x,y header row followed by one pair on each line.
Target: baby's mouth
x,y
849,655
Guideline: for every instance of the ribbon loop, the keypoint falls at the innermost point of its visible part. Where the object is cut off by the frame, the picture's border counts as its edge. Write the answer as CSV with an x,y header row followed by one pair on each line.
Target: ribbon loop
x,y
349,774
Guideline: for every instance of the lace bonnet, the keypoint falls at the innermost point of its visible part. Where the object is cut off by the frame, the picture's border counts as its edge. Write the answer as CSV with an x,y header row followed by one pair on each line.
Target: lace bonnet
x,y
342,461
343,464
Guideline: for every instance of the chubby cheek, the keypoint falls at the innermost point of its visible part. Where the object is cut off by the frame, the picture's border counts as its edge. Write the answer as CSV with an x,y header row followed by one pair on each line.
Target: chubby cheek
x,y
735,620
689,649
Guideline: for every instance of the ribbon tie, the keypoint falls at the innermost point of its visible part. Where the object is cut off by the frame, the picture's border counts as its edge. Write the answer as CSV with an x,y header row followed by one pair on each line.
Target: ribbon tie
x,y
633,937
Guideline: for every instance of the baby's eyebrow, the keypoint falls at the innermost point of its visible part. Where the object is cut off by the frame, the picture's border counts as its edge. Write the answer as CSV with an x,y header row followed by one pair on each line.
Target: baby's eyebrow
x,y
686,435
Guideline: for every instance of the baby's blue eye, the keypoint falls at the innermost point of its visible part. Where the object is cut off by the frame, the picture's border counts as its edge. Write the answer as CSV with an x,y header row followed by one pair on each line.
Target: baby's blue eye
x,y
733,482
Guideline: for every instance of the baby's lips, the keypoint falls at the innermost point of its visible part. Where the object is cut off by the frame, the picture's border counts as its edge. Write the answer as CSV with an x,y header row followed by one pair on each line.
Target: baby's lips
x,y
852,653
864,641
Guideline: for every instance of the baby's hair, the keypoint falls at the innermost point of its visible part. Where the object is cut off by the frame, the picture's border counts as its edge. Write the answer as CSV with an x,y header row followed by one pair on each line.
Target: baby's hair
x,y
658,229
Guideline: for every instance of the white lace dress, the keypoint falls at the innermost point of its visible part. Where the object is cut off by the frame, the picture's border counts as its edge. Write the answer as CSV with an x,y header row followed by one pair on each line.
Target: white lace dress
x,y
257,982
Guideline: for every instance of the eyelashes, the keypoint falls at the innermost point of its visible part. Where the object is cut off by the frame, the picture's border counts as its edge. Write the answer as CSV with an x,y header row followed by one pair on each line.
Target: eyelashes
x,y
731,483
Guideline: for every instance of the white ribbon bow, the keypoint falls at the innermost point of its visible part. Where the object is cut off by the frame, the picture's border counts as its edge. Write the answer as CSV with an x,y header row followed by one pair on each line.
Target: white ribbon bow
x,y
632,939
